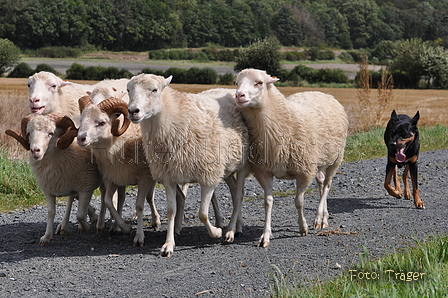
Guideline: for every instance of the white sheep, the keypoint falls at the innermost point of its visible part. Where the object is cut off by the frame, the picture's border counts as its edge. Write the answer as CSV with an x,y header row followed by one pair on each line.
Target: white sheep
x,y
189,138
118,152
296,138
109,89
60,167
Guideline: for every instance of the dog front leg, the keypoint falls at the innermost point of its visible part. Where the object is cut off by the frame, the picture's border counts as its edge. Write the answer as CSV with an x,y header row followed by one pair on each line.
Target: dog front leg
x,y
391,172
414,175
407,191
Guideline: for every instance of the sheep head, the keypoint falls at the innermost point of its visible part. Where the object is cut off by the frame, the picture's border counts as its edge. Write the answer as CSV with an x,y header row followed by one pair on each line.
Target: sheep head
x,y
252,84
101,93
37,132
44,89
145,96
99,122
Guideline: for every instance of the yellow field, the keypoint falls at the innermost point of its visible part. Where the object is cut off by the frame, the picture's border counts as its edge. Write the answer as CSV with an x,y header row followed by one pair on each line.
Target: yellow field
x,y
432,104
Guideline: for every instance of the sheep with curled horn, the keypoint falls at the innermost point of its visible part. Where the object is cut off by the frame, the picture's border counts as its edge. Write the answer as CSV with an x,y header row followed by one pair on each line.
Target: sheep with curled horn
x,y
60,167
118,151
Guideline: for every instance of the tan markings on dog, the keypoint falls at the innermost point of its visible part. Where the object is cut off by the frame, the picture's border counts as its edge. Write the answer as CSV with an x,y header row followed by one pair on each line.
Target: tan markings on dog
x,y
413,159
407,191
392,159
388,186
403,142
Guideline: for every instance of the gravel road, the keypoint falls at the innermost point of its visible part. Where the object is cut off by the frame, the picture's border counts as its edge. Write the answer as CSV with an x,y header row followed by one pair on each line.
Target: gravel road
x,y
86,265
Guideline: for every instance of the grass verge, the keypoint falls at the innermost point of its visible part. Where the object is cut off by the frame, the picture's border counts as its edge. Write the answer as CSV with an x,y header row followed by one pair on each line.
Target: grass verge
x,y
18,188
419,271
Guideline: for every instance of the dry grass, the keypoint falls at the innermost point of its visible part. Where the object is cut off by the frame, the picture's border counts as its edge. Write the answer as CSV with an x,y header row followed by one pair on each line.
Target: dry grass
x,y
432,105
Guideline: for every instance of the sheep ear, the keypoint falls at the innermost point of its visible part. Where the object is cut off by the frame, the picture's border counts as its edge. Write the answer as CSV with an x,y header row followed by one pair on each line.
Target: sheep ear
x,y
89,93
19,138
168,81
65,83
272,80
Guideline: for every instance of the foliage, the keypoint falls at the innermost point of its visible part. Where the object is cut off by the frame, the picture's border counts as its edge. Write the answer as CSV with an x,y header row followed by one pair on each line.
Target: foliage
x,y
263,54
58,52
227,79
9,55
22,70
327,75
206,54
46,67
421,59
97,73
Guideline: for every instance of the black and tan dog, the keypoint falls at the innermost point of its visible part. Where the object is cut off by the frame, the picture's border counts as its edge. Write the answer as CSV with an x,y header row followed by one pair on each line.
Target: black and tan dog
x,y
403,145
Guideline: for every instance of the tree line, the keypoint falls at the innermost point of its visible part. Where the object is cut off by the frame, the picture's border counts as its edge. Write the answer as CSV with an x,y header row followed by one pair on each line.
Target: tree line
x,y
141,25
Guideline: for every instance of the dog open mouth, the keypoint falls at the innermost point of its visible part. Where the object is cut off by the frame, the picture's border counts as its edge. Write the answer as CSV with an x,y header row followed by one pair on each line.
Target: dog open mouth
x,y
400,155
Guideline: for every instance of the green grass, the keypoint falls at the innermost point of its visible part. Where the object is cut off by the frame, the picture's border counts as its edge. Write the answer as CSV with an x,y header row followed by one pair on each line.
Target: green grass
x,y
18,188
370,144
419,271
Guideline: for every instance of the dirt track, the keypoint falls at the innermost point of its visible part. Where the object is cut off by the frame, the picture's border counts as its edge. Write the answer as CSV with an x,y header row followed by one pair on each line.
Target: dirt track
x,y
85,265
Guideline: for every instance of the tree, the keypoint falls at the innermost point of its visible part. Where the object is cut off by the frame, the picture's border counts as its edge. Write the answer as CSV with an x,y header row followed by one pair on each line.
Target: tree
x,y
9,55
263,54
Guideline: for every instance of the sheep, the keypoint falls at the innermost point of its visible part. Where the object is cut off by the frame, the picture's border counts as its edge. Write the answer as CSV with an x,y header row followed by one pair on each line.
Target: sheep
x,y
295,138
119,156
108,89
60,167
189,138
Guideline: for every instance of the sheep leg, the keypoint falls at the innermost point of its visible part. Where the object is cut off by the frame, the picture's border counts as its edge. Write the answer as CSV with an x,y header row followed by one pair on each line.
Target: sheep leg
x,y
266,182
155,216
63,227
110,189
119,195
237,192
83,204
219,219
302,185
324,181
100,224
143,190
168,248
206,196
180,201
51,211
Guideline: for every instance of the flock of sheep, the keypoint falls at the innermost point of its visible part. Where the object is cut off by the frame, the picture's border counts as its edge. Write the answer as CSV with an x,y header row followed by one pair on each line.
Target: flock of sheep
x,y
181,138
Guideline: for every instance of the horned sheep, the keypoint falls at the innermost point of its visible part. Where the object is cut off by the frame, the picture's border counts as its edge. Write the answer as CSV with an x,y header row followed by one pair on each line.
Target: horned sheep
x,y
299,138
60,167
189,138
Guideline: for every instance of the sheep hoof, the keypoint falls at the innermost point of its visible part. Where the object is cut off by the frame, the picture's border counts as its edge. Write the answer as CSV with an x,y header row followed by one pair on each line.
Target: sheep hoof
x,y
60,230
138,241
229,237
262,242
166,252
44,240
238,234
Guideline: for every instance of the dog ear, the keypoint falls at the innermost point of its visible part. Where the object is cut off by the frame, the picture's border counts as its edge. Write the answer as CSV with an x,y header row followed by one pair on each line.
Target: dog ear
x,y
394,116
415,118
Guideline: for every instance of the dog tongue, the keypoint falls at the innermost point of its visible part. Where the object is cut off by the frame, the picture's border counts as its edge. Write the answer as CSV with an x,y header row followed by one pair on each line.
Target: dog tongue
x,y
400,156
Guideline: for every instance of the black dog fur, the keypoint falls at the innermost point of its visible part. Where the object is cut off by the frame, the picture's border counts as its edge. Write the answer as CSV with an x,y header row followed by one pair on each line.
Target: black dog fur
x,y
403,145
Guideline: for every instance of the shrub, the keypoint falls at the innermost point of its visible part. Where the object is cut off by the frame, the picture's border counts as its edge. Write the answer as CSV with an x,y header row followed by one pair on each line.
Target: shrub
x,y
9,55
327,75
227,79
295,56
179,74
358,55
204,76
302,73
58,52
46,67
75,72
326,55
159,55
152,71
22,70
264,54
226,55
346,57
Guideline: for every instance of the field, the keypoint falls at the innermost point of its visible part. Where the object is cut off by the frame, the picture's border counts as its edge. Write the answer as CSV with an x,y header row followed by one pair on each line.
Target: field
x,y
431,104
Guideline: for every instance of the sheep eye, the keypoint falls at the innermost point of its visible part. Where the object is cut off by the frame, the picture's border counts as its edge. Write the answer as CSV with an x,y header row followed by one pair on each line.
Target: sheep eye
x,y
102,123
29,85
258,83
50,134
155,90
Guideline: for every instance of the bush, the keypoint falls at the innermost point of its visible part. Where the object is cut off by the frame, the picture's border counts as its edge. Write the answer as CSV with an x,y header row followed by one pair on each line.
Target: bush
x,y
326,55
9,55
204,76
327,75
148,70
46,67
58,52
295,56
264,55
302,73
22,70
75,72
346,57
179,75
358,55
227,79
